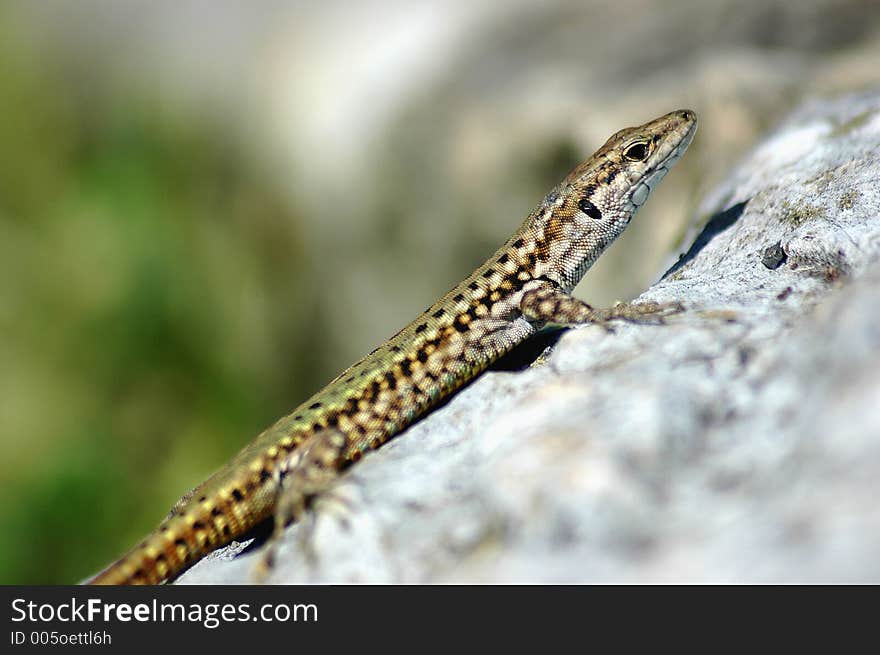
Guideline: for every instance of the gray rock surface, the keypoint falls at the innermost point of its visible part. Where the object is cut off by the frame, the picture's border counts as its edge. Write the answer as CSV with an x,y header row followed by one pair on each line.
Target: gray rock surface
x,y
738,443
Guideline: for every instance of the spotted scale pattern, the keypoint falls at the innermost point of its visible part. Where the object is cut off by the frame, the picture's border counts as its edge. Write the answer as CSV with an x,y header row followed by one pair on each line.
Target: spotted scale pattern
x,y
502,303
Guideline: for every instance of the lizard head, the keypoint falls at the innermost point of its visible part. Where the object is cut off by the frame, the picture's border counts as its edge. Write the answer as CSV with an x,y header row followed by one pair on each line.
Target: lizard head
x,y
618,179
643,155
593,205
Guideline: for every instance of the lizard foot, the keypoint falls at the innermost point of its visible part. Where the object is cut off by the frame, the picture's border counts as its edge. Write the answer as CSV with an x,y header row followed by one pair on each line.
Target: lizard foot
x,y
310,471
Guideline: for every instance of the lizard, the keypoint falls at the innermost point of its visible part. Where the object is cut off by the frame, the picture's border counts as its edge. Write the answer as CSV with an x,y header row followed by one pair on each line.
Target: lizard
x,y
523,287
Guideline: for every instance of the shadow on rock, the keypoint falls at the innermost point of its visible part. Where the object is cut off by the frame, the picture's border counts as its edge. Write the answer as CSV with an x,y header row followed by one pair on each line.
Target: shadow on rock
x,y
716,225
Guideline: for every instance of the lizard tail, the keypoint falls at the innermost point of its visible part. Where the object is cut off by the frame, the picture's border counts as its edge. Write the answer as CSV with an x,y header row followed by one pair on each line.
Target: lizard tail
x,y
164,554
190,532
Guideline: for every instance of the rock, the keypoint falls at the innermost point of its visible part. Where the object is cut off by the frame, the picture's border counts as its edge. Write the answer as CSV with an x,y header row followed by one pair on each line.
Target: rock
x,y
740,442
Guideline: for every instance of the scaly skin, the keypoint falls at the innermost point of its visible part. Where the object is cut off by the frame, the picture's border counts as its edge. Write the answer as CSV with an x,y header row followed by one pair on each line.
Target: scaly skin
x,y
519,289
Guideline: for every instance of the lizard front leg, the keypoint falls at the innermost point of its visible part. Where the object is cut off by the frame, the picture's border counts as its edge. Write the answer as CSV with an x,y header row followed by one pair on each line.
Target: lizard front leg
x,y
549,304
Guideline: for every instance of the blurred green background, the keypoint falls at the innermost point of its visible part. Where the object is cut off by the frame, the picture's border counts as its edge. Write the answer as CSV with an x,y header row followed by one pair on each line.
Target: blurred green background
x,y
209,209
154,311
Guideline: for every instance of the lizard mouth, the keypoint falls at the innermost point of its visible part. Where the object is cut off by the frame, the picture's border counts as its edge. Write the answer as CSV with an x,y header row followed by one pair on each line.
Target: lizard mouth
x,y
647,184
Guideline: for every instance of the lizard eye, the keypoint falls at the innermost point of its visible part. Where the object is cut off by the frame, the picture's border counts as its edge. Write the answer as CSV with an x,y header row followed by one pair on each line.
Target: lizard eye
x,y
637,151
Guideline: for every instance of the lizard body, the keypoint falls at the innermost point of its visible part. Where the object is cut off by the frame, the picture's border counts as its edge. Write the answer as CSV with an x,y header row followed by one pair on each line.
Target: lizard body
x,y
521,287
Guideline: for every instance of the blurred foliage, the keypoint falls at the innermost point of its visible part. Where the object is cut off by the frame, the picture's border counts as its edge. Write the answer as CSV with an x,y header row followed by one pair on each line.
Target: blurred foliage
x,y
151,304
